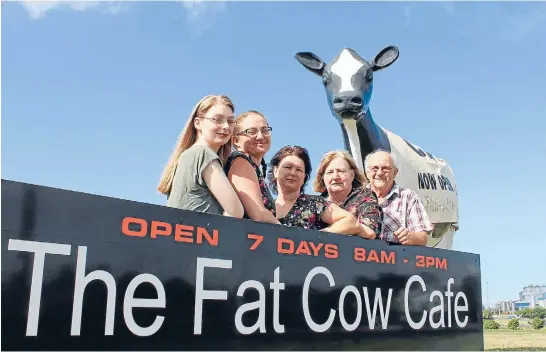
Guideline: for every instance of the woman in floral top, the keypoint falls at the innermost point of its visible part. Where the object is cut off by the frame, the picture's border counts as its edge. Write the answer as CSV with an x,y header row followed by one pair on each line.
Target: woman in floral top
x,y
252,140
339,179
289,171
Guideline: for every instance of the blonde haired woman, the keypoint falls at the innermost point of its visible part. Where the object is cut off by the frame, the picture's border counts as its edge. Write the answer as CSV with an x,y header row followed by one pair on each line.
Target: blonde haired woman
x,y
193,178
340,181
252,140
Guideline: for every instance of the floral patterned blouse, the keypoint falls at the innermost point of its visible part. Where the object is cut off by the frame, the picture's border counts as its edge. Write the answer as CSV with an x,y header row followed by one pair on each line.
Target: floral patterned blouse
x,y
306,212
362,203
268,201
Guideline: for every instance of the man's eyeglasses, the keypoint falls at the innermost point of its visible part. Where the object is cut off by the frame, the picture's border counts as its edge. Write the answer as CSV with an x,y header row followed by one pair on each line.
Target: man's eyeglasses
x,y
251,132
220,121
375,169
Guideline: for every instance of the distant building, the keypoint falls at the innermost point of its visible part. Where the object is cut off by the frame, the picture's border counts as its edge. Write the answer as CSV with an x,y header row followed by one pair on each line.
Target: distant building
x,y
541,301
532,293
506,306
530,297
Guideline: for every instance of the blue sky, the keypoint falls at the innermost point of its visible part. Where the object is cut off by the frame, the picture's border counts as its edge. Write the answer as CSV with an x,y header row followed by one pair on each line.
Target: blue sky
x,y
94,96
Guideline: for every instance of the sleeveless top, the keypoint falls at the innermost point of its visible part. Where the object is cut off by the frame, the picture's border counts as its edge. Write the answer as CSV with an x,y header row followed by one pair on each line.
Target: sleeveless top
x,y
267,199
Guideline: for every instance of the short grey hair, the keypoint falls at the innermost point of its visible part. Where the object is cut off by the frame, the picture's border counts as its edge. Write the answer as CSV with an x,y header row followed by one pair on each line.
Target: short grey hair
x,y
393,158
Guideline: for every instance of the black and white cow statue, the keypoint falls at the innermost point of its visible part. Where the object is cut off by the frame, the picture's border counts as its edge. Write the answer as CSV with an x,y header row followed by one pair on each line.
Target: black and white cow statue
x,y
348,81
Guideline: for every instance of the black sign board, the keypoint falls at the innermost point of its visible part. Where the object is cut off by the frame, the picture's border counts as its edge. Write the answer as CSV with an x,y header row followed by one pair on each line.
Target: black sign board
x,y
87,272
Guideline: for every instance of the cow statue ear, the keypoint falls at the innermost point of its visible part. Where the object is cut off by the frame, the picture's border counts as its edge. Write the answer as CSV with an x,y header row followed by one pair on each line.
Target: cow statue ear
x,y
385,58
311,62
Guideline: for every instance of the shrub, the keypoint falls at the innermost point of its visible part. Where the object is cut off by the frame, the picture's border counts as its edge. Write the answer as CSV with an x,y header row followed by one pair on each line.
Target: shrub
x,y
513,324
490,325
537,323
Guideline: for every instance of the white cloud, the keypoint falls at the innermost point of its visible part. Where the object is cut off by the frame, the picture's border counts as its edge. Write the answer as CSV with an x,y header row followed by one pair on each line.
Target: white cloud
x,y
195,8
115,8
38,9
201,14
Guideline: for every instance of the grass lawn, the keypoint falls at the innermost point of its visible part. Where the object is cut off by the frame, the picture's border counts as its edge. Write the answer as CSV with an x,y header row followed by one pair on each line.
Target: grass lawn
x,y
514,340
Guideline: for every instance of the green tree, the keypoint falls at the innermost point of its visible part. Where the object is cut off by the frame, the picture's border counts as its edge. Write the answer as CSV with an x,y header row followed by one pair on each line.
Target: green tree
x,y
513,324
487,314
525,313
491,325
537,323
539,312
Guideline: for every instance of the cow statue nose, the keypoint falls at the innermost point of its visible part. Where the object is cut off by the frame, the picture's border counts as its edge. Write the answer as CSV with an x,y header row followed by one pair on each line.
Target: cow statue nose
x,y
347,102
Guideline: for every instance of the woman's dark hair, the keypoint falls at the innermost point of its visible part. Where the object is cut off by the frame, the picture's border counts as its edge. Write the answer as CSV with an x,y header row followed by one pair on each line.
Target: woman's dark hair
x,y
264,167
294,150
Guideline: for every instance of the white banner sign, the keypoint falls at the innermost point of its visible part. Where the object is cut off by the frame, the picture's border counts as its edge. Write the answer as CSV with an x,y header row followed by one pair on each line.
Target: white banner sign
x,y
431,178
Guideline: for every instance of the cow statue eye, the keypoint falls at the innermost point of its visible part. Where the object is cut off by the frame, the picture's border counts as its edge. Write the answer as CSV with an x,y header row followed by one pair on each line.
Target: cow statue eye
x,y
326,78
369,75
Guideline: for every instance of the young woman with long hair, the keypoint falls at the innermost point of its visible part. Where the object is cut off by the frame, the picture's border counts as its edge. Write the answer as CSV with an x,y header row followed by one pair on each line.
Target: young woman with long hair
x,y
193,178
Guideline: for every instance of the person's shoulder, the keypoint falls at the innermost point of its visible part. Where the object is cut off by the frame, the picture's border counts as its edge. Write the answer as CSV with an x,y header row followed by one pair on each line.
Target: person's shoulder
x,y
316,198
197,154
407,192
365,192
238,157
311,196
199,149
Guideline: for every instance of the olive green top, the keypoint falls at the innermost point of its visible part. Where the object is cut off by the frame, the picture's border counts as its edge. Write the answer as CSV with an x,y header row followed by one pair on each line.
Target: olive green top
x,y
189,191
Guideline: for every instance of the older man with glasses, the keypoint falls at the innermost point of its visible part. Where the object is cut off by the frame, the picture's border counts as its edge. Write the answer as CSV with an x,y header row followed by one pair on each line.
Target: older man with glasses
x,y
405,220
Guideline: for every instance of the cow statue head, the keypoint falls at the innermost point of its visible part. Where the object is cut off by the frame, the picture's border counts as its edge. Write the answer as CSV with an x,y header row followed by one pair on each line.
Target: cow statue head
x,y
348,78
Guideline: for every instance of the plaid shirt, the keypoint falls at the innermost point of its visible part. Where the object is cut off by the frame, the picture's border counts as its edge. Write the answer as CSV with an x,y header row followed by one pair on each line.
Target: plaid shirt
x,y
402,208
